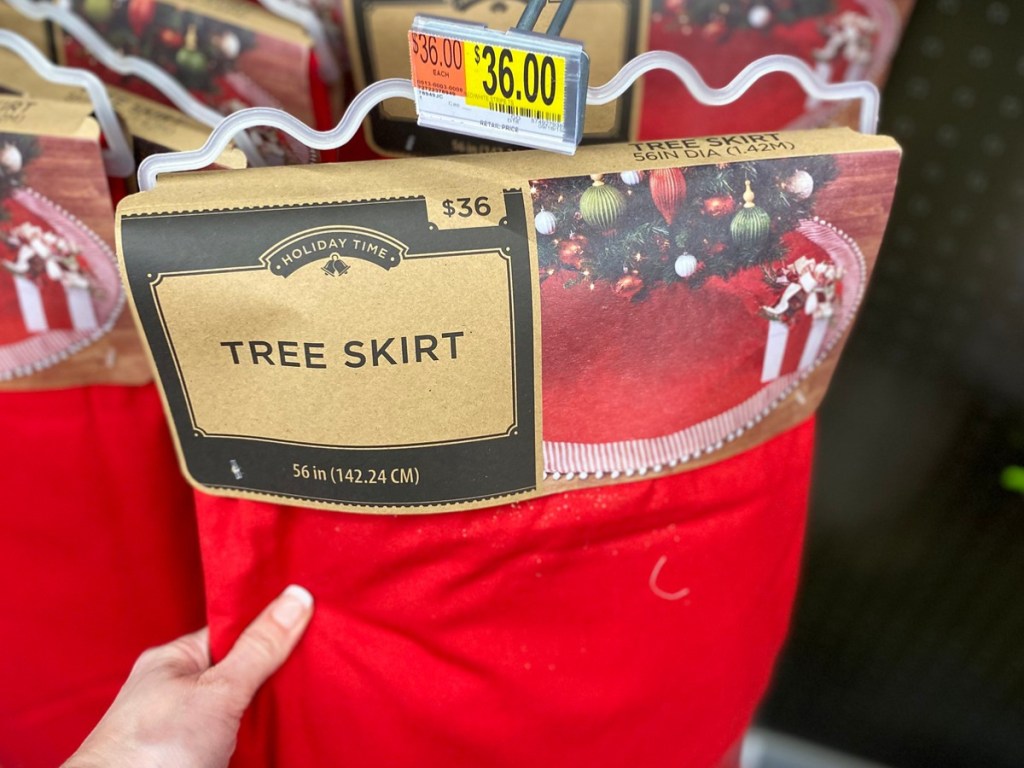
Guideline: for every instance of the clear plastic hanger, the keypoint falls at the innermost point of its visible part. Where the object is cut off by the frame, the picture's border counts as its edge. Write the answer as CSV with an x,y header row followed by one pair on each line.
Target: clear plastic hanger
x,y
117,155
306,18
79,29
368,98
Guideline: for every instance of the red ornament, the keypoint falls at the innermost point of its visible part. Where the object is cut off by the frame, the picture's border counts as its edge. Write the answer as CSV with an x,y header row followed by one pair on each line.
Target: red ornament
x,y
628,286
668,190
171,38
570,253
715,31
719,206
140,14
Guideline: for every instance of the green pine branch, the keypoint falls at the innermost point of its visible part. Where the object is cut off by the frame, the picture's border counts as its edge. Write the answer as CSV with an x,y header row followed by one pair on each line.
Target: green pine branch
x,y
642,230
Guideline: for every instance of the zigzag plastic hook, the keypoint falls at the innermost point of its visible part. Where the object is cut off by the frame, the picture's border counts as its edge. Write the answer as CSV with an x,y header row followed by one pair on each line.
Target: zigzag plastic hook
x,y
867,93
862,91
358,109
117,155
129,65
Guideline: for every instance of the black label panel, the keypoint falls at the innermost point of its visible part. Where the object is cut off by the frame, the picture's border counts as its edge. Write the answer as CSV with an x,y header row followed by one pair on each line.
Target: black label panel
x,y
350,354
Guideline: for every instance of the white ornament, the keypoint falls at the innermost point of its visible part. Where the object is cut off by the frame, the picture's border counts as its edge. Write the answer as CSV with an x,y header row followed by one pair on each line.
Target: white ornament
x,y
759,16
630,178
229,45
10,158
545,222
800,185
686,265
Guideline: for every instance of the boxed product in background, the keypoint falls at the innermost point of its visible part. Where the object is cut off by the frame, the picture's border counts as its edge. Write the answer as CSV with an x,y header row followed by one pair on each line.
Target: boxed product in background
x,y
230,54
36,32
841,40
152,126
61,309
93,512
328,13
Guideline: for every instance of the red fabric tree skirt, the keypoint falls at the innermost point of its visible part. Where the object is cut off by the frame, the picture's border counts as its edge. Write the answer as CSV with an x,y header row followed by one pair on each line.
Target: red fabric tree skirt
x,y
543,633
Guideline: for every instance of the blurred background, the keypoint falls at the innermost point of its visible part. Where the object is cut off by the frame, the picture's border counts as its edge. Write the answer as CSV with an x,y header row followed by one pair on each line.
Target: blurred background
x,y
907,643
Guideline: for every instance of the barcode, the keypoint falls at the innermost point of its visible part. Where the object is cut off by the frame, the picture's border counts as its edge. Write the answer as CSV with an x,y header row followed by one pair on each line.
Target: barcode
x,y
536,114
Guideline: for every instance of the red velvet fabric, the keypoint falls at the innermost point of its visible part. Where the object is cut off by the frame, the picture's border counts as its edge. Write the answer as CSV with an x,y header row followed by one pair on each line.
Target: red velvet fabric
x,y
98,559
542,633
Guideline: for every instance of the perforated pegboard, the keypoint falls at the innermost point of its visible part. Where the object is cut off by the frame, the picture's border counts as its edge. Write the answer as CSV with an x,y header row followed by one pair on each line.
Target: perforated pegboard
x,y
949,293
908,640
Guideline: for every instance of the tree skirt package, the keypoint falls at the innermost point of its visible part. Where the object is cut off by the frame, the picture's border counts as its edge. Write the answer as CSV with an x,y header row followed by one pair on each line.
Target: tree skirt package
x,y
152,126
155,128
506,364
36,32
328,13
230,54
98,549
842,40
61,301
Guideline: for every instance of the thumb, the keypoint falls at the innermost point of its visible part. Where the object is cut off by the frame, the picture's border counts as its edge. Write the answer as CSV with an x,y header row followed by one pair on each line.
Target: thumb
x,y
264,646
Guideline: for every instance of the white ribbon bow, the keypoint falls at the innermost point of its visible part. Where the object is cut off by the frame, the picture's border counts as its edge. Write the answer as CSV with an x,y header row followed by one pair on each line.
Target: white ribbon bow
x,y
816,279
59,257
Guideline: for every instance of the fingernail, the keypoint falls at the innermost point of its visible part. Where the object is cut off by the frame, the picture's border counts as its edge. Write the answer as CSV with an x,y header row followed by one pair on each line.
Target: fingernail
x,y
291,606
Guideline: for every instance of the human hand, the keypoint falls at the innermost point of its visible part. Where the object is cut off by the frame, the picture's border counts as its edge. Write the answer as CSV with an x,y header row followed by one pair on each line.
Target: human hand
x,y
176,709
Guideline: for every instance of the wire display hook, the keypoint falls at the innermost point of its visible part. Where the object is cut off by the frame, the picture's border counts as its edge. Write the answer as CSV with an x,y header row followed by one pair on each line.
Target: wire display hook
x,y
130,65
367,99
117,155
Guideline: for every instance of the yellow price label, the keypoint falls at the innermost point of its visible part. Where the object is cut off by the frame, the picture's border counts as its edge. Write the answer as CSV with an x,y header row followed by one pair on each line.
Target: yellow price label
x,y
515,82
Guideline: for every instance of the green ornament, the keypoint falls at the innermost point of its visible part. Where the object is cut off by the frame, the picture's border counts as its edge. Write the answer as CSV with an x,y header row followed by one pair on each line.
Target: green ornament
x,y
190,60
98,11
602,205
751,225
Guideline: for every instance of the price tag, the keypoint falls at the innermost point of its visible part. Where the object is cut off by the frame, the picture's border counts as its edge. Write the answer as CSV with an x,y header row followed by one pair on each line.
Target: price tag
x,y
518,87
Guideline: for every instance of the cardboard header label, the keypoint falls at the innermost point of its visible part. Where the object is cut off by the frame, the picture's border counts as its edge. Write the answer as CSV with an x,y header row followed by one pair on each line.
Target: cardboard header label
x,y
383,355
354,340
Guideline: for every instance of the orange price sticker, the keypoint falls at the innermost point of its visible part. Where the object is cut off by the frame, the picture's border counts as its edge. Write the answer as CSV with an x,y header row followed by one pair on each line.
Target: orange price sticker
x,y
438,64
523,89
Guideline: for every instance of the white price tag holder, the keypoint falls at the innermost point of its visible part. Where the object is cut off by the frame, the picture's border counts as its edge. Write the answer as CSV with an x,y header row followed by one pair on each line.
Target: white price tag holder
x,y
519,87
